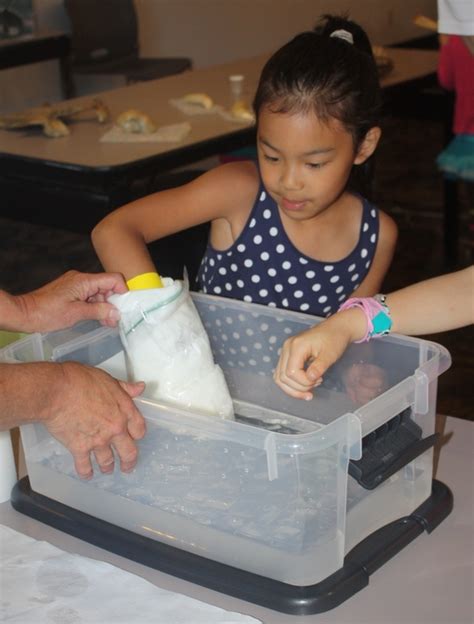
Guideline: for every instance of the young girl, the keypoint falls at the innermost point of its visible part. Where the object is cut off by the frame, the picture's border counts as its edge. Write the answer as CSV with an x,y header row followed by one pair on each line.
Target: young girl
x,y
435,305
286,232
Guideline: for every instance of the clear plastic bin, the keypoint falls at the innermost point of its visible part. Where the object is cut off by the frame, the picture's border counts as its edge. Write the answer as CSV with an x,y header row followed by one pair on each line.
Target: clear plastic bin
x,y
287,488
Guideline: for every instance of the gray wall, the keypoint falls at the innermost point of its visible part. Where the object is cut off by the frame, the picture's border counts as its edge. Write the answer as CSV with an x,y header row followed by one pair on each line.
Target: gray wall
x,y
213,31
210,32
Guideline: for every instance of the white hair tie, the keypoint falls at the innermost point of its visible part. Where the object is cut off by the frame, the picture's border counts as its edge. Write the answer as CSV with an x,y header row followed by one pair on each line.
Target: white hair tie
x,y
343,34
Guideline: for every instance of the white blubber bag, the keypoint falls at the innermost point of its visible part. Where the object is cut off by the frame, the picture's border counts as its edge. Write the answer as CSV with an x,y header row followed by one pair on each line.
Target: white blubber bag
x,y
168,348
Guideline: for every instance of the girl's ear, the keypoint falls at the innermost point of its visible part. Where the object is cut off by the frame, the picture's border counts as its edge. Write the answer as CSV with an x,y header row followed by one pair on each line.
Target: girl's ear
x,y
368,145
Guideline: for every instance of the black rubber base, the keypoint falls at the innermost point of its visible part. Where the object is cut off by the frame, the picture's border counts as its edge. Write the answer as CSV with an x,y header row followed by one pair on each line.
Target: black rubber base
x,y
359,564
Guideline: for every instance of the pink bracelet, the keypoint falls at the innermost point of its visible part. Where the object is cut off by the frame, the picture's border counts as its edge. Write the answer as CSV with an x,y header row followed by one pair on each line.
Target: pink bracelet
x,y
376,313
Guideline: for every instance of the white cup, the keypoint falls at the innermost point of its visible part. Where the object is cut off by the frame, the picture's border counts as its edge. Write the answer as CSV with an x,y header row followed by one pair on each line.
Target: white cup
x,y
236,85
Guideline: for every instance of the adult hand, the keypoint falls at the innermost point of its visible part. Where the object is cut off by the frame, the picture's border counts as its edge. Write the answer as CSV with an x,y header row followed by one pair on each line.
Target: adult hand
x,y
91,412
70,298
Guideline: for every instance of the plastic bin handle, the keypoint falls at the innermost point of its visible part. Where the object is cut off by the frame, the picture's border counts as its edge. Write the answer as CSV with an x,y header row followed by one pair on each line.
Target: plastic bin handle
x,y
370,480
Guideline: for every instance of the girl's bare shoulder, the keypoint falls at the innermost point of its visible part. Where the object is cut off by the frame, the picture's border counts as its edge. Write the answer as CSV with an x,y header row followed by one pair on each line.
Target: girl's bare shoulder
x,y
226,189
234,183
388,229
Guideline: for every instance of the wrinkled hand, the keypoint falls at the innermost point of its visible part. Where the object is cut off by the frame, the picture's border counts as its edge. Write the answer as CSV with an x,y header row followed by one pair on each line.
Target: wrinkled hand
x,y
92,412
70,298
306,357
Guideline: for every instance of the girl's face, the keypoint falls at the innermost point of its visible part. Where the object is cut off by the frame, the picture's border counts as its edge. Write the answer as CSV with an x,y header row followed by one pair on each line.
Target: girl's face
x,y
305,164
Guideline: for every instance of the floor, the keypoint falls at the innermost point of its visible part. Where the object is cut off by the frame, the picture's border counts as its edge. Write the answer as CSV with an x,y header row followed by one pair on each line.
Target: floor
x,y
408,187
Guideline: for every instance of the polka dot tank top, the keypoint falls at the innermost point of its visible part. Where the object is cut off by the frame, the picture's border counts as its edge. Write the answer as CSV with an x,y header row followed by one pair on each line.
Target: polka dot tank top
x,y
263,266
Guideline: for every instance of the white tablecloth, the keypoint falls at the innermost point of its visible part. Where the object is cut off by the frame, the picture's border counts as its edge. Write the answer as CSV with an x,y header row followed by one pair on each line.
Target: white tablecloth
x,y
41,584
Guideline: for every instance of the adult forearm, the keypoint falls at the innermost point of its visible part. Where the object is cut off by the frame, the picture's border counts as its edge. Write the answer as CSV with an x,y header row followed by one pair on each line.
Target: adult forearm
x,y
26,392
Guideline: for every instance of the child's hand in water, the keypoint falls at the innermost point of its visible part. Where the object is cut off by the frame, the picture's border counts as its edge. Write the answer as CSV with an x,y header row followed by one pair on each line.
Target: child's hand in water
x,y
364,381
305,357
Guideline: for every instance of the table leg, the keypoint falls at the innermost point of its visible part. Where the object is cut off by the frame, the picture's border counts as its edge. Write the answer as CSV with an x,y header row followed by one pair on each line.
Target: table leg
x,y
67,82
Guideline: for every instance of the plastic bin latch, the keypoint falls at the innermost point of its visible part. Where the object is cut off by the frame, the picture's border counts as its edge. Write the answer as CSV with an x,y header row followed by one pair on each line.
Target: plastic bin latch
x,y
388,449
272,462
421,403
354,436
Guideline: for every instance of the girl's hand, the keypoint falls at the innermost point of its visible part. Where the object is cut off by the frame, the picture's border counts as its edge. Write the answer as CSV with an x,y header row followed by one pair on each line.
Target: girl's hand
x,y
306,357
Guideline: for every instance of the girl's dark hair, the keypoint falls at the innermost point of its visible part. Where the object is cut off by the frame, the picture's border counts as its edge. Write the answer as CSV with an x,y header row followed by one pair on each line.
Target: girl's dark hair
x,y
327,75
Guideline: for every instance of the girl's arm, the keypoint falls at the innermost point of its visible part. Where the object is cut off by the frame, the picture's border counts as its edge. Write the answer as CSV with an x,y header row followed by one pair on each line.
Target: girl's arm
x,y
219,195
388,234
435,305
439,304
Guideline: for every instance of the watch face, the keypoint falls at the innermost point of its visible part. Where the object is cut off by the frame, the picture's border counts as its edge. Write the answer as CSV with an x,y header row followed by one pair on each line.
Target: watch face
x,y
382,324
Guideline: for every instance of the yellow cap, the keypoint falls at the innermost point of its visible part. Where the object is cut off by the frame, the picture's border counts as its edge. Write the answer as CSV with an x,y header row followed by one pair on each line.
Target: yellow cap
x,y
145,281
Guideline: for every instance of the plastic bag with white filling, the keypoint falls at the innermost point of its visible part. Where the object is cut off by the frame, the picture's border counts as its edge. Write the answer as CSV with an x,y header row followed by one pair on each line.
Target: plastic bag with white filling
x,y
167,347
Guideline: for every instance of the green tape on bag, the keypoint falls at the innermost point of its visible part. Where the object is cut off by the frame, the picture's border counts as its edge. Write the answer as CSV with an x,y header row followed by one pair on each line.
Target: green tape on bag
x,y
7,337
153,308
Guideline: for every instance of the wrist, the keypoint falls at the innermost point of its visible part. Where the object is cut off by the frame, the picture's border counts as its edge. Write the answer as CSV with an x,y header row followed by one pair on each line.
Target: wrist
x,y
144,281
355,323
29,316
376,312
13,312
55,378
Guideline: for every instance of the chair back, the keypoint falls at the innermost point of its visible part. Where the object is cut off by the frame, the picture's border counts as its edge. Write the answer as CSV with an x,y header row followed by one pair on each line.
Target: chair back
x,y
102,30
